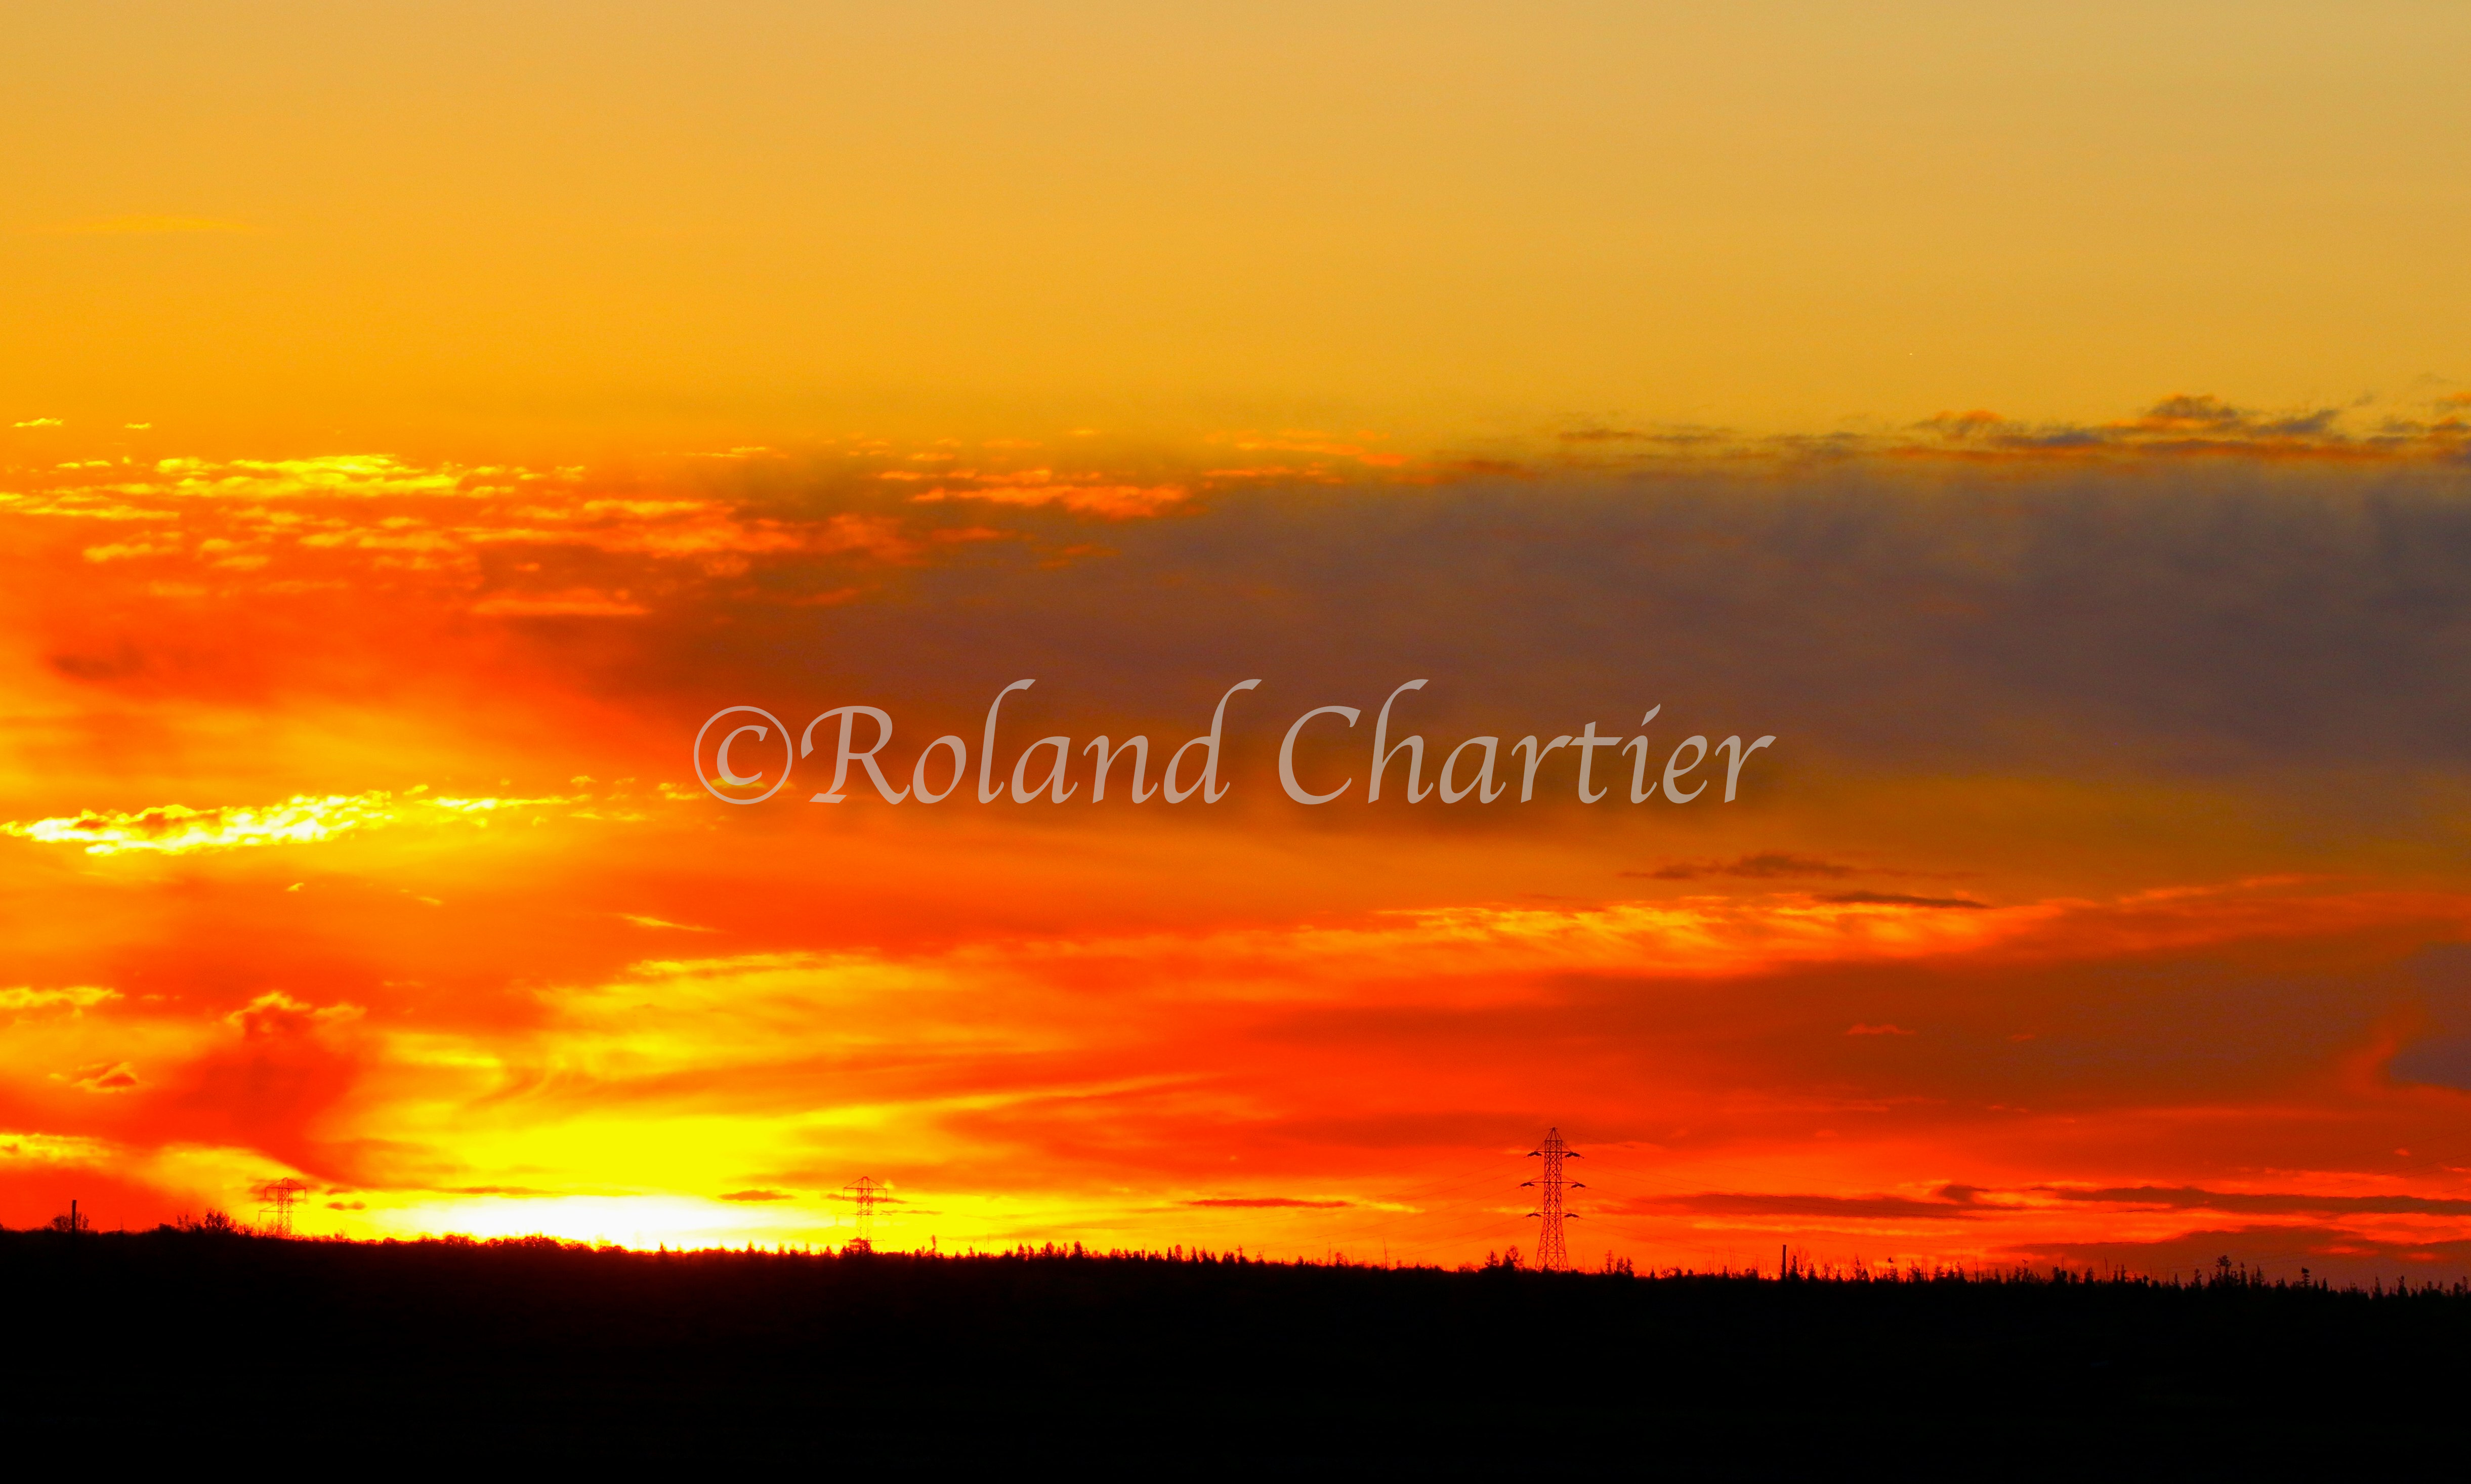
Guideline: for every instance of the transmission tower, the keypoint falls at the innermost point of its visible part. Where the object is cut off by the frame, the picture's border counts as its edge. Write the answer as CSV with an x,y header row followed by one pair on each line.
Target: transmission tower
x,y
1552,1254
862,1197
274,1202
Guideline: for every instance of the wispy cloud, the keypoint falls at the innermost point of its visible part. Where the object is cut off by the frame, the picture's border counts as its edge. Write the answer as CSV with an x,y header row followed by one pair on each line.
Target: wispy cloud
x,y
1085,496
43,1148
1765,866
1901,899
2187,425
2265,1202
330,474
1268,1202
175,829
75,996
1860,1208
2176,428
641,921
567,602
105,1078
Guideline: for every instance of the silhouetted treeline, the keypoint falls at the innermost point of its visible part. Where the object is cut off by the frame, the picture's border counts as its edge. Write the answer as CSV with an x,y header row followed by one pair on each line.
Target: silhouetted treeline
x,y
189,1336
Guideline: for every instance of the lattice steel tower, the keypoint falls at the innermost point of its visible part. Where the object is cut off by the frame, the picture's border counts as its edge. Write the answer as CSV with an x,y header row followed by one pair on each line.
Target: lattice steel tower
x,y
863,1196
1552,1254
274,1202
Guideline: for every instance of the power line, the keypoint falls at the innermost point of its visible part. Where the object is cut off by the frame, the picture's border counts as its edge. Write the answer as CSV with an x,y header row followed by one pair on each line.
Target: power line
x,y
276,1199
1552,1254
862,1196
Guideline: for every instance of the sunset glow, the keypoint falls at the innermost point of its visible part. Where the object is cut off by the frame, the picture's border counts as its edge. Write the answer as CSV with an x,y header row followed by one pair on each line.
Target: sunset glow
x,y
403,457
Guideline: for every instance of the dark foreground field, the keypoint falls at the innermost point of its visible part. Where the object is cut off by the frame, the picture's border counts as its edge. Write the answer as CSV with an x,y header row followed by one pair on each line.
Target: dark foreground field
x,y
336,1355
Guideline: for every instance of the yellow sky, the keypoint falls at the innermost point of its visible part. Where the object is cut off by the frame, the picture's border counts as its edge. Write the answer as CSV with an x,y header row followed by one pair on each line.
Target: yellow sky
x,y
586,227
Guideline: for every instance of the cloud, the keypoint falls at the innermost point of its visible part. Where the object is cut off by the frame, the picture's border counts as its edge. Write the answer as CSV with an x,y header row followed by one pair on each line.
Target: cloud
x,y
29,1147
1765,866
1876,1030
275,1013
571,602
122,551
2185,425
1860,1208
40,422
756,1196
2177,428
1310,441
75,996
1113,502
641,921
175,829
1965,1203
1897,899
2265,1202
105,1078
76,505
353,476
1266,1202
2093,691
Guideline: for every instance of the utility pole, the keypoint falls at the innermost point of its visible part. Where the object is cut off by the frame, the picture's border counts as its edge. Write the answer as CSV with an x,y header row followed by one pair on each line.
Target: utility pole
x,y
1552,1254
863,1196
274,1201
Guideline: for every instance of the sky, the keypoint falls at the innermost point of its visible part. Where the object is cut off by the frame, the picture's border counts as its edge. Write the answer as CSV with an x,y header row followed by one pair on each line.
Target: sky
x,y
2047,426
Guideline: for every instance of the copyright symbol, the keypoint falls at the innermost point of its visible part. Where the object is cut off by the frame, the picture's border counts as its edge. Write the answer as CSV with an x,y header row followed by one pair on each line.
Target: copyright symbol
x,y
722,772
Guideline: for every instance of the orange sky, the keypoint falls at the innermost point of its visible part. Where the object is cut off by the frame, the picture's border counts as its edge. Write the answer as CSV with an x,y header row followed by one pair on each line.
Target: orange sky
x,y
422,419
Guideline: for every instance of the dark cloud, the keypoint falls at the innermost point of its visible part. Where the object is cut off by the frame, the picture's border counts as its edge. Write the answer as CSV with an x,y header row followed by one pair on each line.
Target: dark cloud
x,y
1856,1208
1960,1201
1898,899
2266,1202
2213,617
2187,424
1767,866
2211,621
2439,1053
755,1195
2178,427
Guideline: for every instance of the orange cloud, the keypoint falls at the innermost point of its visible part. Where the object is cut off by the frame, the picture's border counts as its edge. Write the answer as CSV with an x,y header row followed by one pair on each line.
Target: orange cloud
x,y
177,829
1038,487
2104,849
105,1078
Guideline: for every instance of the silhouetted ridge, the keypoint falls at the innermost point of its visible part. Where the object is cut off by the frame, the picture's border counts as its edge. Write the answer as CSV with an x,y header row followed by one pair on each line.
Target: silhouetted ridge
x,y
538,1344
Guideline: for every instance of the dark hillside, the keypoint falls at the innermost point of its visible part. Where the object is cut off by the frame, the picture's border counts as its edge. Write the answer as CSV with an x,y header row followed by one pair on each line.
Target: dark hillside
x,y
177,1340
